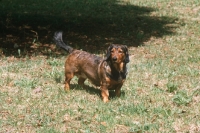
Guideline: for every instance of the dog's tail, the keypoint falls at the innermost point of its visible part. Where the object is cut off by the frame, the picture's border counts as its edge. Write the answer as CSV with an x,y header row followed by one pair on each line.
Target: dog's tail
x,y
59,42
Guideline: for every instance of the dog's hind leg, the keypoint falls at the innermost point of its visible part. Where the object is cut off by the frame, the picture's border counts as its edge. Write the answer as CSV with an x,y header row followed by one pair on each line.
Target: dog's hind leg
x,y
68,77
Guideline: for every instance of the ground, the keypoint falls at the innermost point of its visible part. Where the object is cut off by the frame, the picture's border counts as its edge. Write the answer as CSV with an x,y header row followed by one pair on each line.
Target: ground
x,y
162,90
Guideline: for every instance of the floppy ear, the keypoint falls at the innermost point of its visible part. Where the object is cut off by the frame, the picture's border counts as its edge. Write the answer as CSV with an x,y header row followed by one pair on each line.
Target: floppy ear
x,y
108,52
126,60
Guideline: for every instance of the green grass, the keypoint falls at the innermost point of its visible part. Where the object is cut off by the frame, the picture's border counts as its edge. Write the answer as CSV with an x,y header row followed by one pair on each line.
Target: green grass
x,y
161,93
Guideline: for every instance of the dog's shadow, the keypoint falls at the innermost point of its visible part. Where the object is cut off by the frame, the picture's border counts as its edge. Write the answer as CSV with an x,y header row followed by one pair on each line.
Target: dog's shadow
x,y
95,90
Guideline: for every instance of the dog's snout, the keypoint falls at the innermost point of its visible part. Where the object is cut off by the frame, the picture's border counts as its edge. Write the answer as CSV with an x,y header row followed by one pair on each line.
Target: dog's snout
x,y
114,58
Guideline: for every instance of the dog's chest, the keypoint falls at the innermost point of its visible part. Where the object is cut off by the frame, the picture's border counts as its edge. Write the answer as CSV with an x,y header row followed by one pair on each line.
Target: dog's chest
x,y
115,75
112,84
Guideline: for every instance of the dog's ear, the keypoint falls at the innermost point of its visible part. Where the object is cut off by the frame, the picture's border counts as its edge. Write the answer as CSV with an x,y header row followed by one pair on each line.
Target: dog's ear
x,y
126,60
108,52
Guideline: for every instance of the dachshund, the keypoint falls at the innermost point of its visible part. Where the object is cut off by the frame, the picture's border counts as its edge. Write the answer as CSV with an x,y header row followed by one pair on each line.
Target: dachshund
x,y
109,73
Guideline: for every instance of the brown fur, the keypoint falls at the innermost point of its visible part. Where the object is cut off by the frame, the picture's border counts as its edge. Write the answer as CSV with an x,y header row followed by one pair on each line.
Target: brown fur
x,y
109,73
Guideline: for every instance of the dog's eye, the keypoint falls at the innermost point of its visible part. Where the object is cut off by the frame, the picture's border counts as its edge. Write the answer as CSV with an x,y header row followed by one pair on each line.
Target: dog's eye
x,y
112,51
120,51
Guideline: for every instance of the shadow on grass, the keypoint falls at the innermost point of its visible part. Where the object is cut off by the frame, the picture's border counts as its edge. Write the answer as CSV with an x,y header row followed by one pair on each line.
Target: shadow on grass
x,y
89,25
95,91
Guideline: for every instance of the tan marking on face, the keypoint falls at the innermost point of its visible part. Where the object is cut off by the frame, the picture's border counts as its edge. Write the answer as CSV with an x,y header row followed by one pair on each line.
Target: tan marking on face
x,y
117,55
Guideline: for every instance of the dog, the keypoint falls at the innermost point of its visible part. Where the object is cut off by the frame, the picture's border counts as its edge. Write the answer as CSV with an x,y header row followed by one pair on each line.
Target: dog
x,y
109,73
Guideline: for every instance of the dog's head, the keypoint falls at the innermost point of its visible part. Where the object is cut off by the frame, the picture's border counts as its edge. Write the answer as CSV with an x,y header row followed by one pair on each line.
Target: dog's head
x,y
117,53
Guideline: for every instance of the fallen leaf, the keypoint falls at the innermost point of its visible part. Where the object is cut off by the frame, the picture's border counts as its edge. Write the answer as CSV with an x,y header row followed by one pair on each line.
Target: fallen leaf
x,y
103,123
37,90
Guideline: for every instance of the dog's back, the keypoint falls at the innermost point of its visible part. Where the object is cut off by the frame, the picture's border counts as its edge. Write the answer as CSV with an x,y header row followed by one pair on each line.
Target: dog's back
x,y
84,65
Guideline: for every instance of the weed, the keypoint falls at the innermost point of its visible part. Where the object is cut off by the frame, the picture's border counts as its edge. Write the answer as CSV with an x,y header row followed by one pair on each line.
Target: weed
x,y
172,87
182,98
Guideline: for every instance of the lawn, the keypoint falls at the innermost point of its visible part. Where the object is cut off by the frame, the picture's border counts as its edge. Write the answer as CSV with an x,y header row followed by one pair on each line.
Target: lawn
x,y
162,90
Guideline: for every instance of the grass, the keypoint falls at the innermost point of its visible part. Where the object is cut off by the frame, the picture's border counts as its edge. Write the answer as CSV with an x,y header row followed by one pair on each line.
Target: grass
x,y
162,90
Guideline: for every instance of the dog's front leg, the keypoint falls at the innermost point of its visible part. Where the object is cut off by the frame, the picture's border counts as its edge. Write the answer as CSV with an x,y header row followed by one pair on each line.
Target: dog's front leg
x,y
118,90
104,93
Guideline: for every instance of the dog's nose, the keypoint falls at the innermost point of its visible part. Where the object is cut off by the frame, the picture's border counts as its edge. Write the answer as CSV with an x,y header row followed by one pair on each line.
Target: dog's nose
x,y
114,58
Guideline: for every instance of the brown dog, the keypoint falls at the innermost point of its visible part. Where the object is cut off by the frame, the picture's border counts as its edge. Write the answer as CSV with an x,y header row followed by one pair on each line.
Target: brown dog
x,y
109,73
